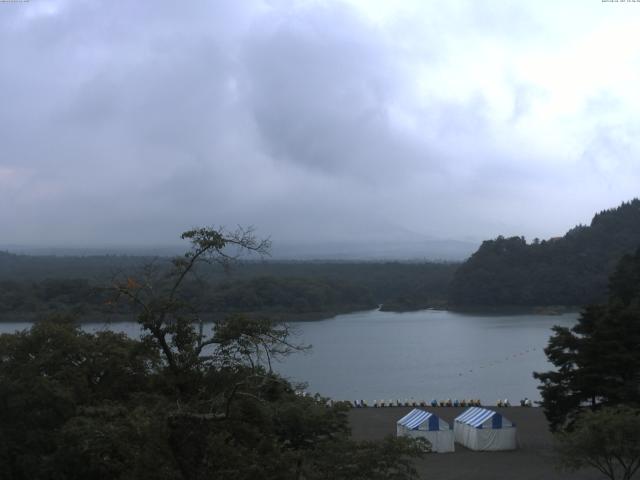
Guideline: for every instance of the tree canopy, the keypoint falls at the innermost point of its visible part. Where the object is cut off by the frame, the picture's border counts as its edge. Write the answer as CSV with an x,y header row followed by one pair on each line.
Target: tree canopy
x,y
598,360
607,440
569,270
179,403
33,287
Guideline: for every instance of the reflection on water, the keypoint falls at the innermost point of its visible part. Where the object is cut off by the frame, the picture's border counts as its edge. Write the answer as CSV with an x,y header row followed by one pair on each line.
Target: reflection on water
x,y
428,354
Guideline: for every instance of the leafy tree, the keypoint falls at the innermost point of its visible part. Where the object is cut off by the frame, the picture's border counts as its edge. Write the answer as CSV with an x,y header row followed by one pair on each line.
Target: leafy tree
x,y
597,361
607,440
179,403
54,373
166,316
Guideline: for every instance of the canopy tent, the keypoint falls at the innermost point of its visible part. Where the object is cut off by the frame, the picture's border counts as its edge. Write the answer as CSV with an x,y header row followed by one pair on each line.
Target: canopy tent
x,y
418,423
482,429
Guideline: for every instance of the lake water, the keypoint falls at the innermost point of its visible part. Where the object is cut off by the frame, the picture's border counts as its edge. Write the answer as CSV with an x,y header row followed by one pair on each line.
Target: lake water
x,y
428,354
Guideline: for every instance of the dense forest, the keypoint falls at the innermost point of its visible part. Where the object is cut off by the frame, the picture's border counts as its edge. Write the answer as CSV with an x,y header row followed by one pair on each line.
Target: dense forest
x,y
290,290
571,270
597,361
591,395
179,403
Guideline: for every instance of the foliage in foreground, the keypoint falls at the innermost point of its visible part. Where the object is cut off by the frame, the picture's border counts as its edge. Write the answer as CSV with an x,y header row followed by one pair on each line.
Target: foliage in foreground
x,y
177,404
607,440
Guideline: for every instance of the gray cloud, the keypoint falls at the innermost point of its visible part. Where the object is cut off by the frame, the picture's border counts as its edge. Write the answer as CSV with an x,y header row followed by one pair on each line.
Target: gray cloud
x,y
313,121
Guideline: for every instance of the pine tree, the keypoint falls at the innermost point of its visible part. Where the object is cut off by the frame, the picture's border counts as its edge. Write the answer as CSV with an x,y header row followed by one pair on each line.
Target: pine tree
x,y
598,360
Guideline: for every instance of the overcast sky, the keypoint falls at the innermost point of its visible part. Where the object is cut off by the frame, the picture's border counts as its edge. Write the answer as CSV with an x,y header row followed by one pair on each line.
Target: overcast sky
x,y
129,122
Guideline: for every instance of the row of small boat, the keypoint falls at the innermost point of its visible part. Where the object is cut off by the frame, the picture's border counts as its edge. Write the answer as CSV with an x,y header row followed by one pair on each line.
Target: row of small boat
x,y
525,402
418,403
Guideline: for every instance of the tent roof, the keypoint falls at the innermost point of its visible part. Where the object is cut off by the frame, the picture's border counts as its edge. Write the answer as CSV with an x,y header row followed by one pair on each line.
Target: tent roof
x,y
476,416
414,418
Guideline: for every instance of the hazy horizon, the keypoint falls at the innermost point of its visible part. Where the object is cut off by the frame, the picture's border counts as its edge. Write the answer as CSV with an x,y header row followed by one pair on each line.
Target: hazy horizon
x,y
429,250
342,125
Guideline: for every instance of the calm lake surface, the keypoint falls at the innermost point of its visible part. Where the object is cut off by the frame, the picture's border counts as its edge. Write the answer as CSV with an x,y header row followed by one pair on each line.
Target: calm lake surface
x,y
428,354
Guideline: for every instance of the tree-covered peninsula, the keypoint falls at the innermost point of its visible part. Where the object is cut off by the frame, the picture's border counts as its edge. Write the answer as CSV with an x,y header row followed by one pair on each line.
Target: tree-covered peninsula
x,y
571,270
32,286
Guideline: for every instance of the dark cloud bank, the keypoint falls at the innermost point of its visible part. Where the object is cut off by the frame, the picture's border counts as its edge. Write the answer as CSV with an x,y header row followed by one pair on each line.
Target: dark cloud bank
x,y
125,123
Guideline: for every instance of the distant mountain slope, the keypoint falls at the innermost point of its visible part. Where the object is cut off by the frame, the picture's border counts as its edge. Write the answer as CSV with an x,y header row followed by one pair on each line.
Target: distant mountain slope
x,y
571,270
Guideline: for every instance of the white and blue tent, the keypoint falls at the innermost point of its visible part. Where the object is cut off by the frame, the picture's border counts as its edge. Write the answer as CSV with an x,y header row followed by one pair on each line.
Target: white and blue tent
x,y
482,429
418,423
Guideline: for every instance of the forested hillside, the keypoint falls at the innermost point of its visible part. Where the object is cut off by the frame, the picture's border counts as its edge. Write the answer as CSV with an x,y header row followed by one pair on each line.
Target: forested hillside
x,y
571,270
43,284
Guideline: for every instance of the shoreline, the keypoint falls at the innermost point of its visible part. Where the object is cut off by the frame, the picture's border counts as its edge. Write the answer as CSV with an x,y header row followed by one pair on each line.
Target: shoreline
x,y
516,310
98,317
